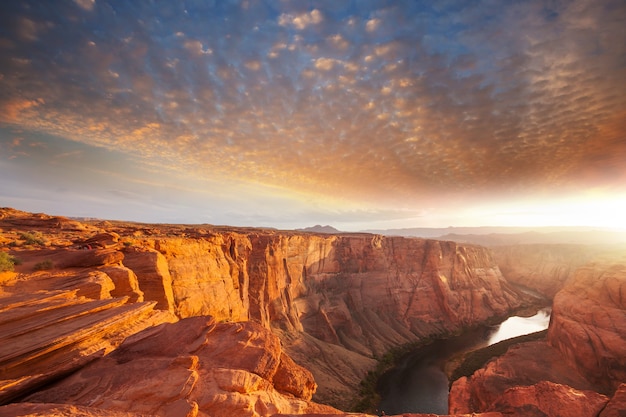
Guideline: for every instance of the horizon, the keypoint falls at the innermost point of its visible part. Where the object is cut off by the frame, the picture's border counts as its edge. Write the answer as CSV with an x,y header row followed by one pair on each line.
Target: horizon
x,y
359,115
460,230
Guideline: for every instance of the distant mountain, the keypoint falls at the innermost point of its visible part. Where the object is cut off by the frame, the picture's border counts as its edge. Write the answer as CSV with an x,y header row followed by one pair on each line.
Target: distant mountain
x,y
496,236
320,229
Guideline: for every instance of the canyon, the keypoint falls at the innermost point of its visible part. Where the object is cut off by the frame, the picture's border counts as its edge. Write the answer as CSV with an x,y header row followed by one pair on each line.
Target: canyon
x,y
106,318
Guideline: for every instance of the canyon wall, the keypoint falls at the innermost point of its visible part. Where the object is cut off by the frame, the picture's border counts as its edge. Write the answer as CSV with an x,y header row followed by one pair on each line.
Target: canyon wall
x,y
364,292
540,267
588,324
346,298
336,301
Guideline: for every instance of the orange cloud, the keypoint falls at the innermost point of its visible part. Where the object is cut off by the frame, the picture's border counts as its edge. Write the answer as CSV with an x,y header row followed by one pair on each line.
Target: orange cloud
x,y
13,109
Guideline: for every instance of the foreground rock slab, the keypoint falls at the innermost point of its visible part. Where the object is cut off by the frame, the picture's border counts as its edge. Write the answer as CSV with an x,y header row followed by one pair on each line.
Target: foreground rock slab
x,y
58,410
47,335
193,367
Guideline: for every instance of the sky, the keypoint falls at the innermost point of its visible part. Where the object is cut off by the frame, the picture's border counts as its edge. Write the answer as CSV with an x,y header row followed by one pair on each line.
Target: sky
x,y
360,114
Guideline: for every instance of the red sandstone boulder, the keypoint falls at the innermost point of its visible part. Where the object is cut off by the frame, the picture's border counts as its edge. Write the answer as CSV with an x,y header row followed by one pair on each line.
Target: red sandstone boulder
x,y
101,240
293,379
88,258
125,282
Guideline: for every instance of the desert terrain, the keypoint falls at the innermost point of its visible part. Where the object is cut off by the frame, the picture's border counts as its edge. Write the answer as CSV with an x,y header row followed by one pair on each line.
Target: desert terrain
x,y
108,318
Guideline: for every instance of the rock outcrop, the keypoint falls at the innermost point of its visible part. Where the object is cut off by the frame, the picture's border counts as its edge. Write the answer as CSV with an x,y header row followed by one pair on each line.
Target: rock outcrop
x,y
584,355
192,367
588,324
46,336
617,405
524,365
549,399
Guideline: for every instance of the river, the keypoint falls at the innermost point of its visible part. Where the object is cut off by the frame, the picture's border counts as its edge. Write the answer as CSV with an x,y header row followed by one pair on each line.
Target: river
x,y
418,384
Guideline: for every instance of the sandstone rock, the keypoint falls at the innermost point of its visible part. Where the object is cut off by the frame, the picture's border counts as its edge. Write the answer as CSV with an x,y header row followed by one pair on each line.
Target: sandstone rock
x,y
153,275
210,369
58,410
209,275
293,379
617,405
588,324
101,240
46,336
86,283
549,399
525,364
88,258
544,268
23,220
125,283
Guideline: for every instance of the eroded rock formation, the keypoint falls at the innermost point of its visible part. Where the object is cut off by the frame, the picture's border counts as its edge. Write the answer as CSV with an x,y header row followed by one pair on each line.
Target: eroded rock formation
x,y
190,367
585,353
588,324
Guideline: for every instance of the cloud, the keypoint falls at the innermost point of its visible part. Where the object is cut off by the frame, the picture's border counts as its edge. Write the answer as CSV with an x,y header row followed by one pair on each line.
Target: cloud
x,y
400,104
13,109
87,5
372,24
301,21
196,47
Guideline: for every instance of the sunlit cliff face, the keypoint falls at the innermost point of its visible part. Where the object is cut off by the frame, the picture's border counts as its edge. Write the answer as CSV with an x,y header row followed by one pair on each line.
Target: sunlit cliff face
x,y
286,114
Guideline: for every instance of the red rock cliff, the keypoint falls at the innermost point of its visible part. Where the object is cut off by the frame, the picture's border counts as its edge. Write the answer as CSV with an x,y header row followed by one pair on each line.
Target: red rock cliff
x,y
588,324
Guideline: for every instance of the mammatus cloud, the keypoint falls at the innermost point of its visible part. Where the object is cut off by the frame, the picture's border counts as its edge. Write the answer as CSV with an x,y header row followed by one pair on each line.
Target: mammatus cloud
x,y
399,101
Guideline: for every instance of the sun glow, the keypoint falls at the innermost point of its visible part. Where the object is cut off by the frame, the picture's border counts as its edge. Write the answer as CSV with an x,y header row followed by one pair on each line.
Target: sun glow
x,y
593,211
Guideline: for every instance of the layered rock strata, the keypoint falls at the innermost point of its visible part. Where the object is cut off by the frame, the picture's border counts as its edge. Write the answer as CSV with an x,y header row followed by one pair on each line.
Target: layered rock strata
x,y
193,367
